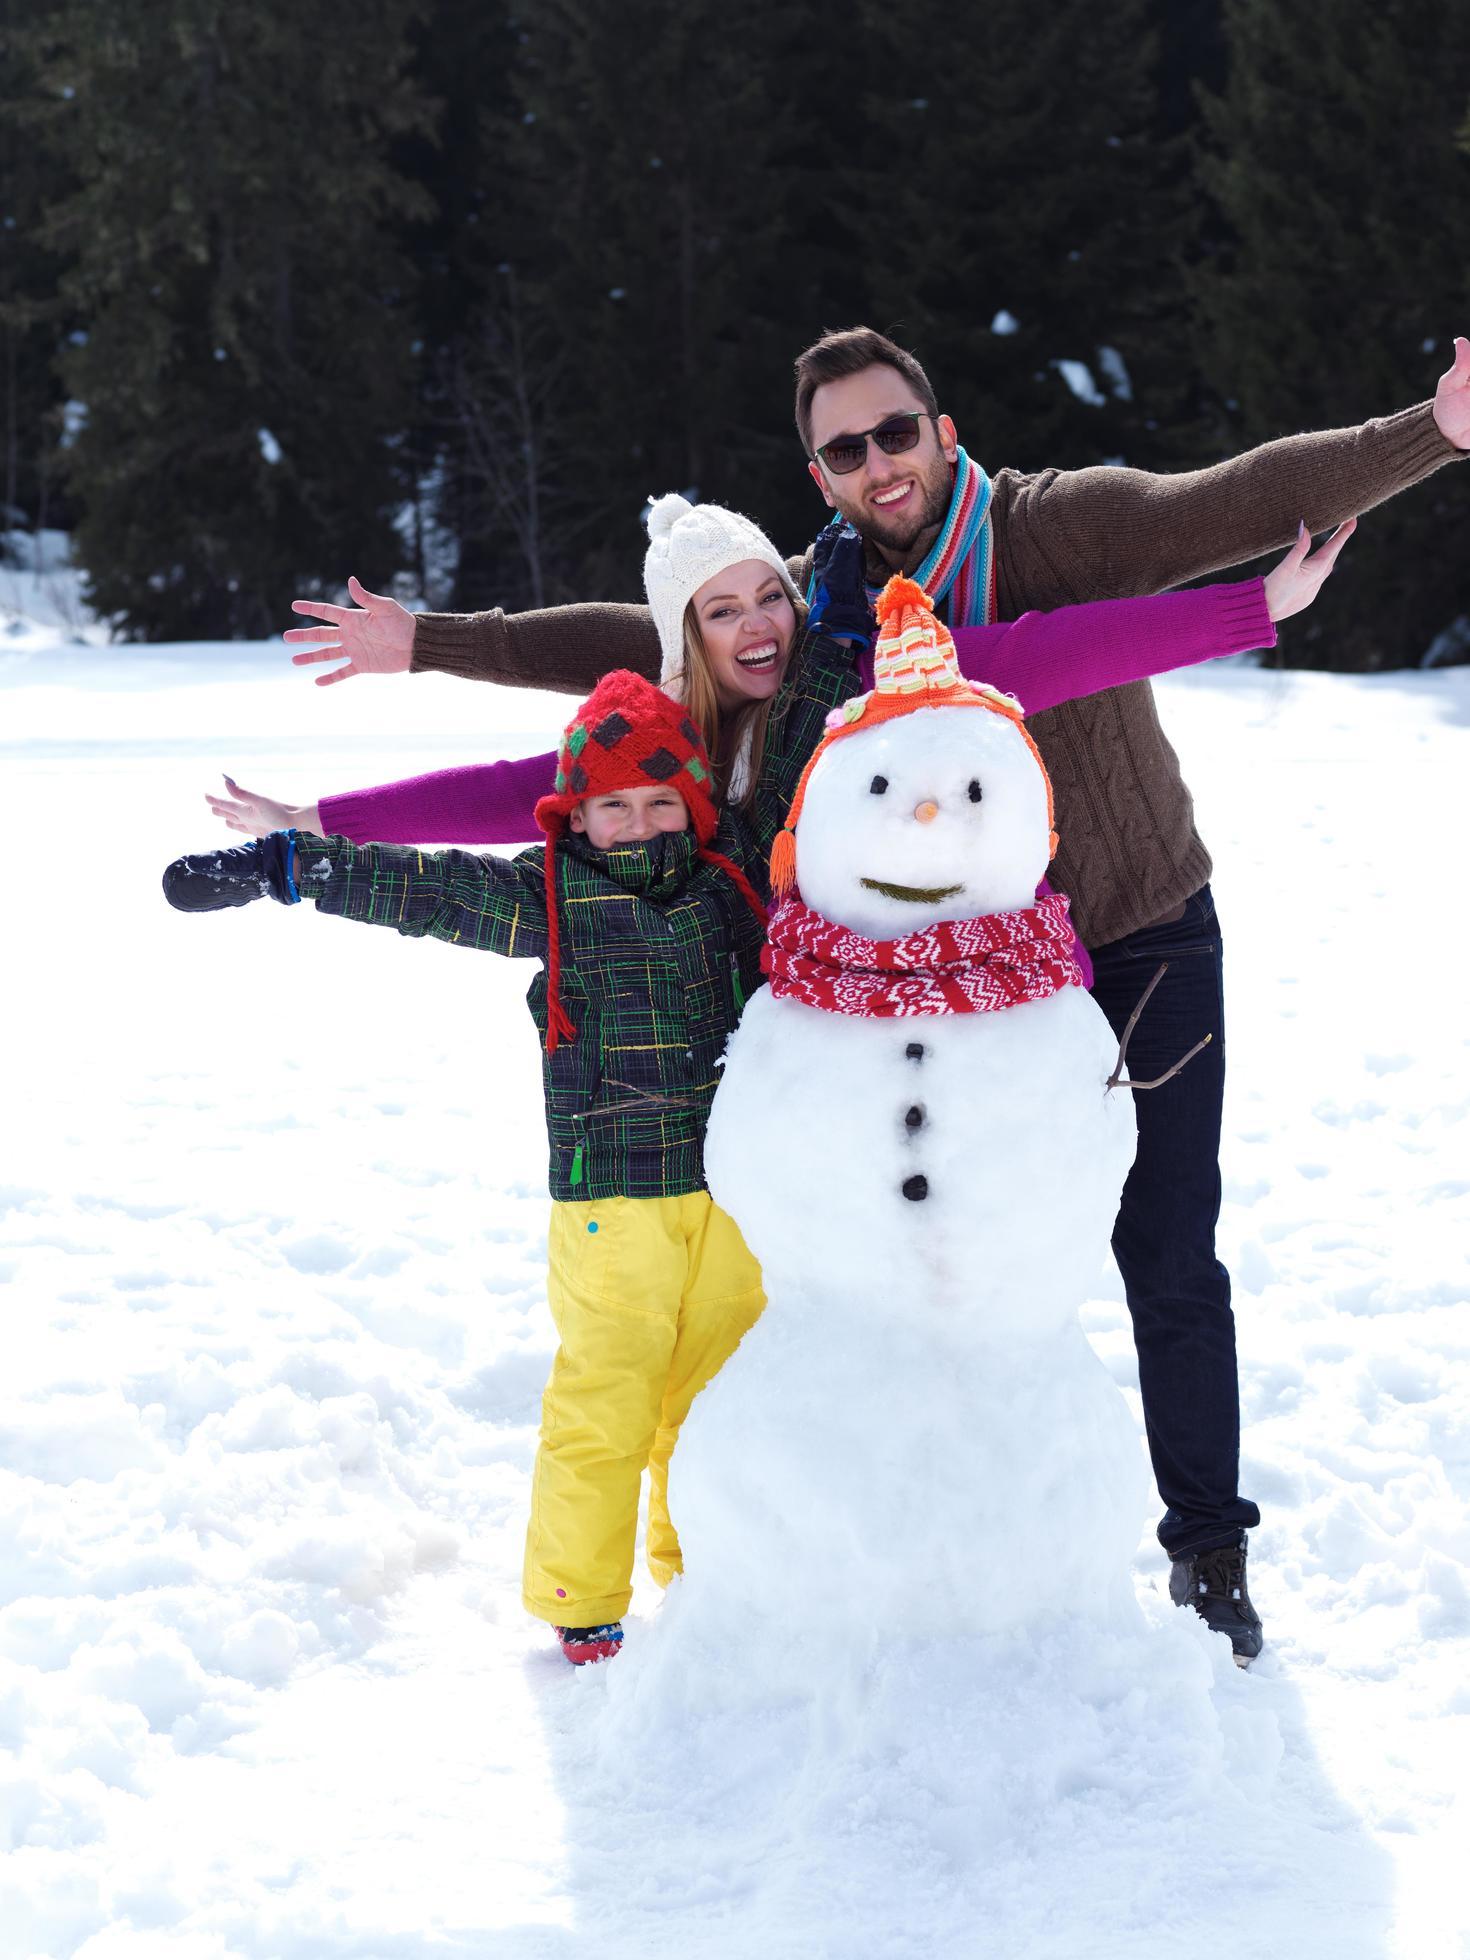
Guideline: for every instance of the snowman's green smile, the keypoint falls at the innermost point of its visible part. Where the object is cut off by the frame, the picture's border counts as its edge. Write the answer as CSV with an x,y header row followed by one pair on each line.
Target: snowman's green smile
x,y
915,894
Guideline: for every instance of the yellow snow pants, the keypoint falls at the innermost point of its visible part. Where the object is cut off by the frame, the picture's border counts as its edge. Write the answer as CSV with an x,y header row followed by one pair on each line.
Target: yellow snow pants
x,y
650,1297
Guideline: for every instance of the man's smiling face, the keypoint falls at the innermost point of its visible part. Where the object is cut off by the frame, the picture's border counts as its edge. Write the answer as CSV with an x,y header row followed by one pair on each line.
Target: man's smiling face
x,y
893,500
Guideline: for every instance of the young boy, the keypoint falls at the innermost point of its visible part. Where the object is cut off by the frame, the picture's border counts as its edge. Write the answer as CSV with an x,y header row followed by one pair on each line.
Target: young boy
x,y
651,939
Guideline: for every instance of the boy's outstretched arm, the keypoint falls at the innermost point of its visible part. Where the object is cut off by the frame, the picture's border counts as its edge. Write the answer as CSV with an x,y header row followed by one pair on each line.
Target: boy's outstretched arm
x,y
495,904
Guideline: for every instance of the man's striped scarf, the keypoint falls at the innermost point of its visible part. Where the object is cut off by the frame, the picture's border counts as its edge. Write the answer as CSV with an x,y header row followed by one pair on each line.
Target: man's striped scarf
x,y
959,573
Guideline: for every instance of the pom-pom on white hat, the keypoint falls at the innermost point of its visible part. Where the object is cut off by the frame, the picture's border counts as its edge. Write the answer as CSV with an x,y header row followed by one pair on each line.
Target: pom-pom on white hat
x,y
687,544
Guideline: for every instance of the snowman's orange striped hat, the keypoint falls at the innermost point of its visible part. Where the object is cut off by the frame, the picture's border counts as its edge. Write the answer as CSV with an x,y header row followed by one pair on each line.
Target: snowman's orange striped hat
x,y
914,666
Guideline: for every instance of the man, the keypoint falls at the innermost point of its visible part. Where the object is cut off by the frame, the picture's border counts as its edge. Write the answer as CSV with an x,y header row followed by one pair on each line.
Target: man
x,y
891,465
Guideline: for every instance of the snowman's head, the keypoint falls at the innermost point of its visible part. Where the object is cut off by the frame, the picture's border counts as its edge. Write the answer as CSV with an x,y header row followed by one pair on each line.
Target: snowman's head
x,y
940,813
926,800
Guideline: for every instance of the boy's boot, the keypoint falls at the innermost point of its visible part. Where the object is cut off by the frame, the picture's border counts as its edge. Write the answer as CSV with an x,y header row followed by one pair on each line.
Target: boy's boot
x,y
583,1644
1213,1583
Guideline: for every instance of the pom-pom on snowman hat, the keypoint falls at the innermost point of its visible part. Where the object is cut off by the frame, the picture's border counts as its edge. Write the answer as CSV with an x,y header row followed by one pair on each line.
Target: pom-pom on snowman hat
x,y
914,666
687,544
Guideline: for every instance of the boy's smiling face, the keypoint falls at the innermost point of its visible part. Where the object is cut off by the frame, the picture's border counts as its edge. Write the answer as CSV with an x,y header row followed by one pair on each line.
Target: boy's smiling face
x,y
629,816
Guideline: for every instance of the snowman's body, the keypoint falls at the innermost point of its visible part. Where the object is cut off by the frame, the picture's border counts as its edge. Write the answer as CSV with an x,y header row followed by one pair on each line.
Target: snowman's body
x,y
905,1189
918,1429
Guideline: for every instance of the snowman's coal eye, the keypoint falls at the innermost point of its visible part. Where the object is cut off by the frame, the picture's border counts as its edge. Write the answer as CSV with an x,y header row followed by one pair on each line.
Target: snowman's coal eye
x,y
974,790
878,785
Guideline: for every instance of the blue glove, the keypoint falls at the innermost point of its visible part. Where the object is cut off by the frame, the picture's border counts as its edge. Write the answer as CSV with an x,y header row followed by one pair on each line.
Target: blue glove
x,y
216,880
839,603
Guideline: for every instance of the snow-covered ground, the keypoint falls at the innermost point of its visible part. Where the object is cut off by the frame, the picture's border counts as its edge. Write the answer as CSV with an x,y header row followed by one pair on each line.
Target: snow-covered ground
x,y
272,1220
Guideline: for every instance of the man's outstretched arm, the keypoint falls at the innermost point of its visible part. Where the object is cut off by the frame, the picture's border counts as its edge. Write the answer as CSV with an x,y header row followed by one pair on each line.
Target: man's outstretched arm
x,y
565,648
1116,533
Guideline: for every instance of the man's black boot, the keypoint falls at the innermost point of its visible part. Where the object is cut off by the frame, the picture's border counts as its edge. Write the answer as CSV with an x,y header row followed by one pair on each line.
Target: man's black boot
x,y
1213,1583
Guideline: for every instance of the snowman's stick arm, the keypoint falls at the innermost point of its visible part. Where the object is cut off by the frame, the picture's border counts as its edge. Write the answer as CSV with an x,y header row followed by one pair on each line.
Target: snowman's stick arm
x,y
1117,1075
1159,1080
1116,1079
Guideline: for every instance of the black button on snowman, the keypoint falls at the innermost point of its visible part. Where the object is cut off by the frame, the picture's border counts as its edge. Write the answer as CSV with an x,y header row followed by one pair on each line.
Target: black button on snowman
x,y
915,1186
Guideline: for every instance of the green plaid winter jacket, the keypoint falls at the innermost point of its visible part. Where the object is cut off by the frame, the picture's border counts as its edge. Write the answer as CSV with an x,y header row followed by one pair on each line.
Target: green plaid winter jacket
x,y
659,952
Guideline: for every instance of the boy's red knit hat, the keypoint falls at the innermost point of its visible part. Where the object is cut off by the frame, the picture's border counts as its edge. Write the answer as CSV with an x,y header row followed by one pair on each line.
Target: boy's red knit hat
x,y
627,734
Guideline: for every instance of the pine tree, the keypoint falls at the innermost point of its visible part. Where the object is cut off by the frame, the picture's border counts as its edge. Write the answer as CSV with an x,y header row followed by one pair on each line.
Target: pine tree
x,y
1335,168
685,201
463,57
657,246
32,317
1035,213
247,364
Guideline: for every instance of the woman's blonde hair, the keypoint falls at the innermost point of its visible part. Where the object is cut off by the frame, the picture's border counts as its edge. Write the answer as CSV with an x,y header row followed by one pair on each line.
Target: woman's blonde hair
x,y
728,733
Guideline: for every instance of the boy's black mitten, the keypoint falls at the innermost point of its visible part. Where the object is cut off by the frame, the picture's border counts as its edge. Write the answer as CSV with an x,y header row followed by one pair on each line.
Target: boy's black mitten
x,y
215,880
839,589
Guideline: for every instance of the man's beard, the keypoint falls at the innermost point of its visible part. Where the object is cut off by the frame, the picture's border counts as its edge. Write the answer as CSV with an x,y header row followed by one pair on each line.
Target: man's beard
x,y
900,533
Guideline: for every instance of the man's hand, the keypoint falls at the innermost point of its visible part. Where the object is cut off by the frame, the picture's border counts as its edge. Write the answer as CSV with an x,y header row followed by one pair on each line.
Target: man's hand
x,y
1452,398
216,881
1297,580
254,815
378,639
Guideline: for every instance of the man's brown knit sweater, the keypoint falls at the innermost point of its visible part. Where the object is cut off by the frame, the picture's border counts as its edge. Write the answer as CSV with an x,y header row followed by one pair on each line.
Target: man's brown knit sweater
x,y
1130,854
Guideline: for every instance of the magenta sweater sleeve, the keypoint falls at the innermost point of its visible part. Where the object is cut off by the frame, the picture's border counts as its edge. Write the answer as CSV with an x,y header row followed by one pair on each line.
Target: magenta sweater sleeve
x,y
1045,658
482,803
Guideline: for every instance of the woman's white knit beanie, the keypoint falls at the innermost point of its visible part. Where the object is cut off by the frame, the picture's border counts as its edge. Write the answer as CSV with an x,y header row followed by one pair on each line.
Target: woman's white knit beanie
x,y
687,544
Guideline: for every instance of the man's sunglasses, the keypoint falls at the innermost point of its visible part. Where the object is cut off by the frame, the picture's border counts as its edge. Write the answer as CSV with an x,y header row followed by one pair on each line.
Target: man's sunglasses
x,y
892,436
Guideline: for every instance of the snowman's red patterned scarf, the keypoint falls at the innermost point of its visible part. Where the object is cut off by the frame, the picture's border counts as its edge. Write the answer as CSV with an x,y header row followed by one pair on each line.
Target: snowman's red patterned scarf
x,y
961,966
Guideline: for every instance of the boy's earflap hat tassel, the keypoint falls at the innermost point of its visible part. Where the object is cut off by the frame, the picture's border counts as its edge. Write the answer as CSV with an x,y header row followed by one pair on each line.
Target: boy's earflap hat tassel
x,y
914,666
558,1022
627,734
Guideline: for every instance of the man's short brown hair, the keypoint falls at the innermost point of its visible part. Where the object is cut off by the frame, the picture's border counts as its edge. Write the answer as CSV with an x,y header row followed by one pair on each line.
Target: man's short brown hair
x,y
849,352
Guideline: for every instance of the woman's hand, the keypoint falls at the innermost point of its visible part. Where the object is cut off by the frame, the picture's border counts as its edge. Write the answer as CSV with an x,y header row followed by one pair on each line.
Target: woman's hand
x,y
376,635
1299,577
257,816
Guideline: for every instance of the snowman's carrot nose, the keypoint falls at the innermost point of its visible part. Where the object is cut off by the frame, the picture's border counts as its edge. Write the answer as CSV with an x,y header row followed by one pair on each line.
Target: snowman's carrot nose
x,y
926,812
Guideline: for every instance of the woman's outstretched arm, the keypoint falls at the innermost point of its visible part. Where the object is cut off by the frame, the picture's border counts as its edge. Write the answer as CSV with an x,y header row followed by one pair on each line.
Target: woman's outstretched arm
x,y
1045,658
477,803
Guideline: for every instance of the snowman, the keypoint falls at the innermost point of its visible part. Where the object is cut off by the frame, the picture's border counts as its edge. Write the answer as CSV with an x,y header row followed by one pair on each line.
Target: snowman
x,y
906,1657
916,1133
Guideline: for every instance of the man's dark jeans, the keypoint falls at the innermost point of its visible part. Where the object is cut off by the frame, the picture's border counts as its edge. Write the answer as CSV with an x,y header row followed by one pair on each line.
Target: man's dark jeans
x,y
1164,1240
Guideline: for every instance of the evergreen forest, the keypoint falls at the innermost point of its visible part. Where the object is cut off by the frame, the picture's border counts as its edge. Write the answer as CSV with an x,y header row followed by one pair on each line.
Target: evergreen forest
x,y
441,294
